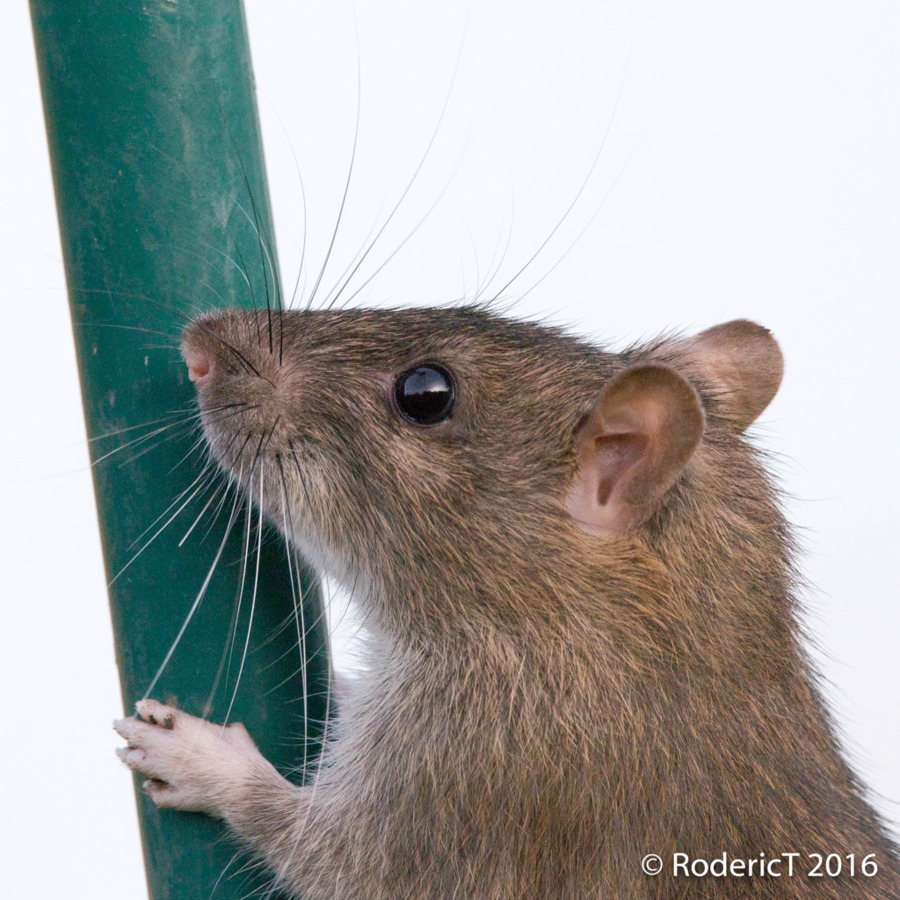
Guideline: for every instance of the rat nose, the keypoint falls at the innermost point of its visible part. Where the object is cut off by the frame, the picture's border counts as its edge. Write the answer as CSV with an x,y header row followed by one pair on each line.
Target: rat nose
x,y
199,366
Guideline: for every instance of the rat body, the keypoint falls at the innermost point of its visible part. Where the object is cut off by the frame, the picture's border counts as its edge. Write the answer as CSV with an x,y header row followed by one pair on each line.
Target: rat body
x,y
581,592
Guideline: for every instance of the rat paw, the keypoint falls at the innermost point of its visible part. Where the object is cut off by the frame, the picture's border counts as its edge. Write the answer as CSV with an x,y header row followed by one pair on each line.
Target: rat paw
x,y
190,764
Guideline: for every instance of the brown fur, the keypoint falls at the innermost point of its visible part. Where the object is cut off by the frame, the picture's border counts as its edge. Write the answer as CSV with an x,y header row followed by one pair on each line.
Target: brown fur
x,y
545,705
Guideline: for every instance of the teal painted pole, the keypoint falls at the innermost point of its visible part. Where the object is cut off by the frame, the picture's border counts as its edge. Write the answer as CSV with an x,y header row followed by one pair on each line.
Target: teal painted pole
x,y
163,211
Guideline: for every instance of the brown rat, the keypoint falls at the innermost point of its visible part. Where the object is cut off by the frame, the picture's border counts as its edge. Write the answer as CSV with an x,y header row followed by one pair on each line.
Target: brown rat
x,y
582,595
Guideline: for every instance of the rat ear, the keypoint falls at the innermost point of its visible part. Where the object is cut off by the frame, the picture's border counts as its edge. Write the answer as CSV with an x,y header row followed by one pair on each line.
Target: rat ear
x,y
632,446
739,360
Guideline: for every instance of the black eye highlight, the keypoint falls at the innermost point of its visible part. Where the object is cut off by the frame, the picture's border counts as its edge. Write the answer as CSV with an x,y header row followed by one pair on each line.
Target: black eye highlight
x,y
425,394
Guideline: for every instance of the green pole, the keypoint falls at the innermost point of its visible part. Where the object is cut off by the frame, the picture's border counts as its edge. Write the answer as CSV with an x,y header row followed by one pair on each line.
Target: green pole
x,y
163,211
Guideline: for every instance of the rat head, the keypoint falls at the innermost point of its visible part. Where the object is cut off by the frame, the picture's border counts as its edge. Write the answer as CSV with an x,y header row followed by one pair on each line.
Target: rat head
x,y
453,460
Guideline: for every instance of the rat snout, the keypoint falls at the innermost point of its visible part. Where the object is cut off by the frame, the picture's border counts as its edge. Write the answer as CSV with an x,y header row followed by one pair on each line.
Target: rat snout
x,y
209,347
199,365
232,369
199,351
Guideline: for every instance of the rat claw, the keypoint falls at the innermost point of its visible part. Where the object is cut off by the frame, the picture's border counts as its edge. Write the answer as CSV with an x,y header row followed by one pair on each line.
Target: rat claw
x,y
156,713
128,728
163,794
133,757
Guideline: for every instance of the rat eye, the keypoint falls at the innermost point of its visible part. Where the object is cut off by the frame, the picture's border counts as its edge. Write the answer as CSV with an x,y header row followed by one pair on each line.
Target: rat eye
x,y
425,394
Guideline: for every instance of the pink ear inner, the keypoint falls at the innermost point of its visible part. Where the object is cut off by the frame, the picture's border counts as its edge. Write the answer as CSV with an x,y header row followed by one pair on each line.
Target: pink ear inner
x,y
632,446
614,456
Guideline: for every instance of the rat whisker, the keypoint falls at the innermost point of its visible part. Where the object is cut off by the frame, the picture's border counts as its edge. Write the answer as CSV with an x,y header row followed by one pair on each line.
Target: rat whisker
x,y
357,259
221,488
204,476
175,436
233,199
245,560
235,412
259,531
195,449
252,473
236,856
156,534
240,268
192,411
496,264
268,266
300,268
197,601
302,624
112,290
587,225
198,443
346,278
185,422
312,297
139,328
298,604
273,296
580,190
225,658
405,240
230,485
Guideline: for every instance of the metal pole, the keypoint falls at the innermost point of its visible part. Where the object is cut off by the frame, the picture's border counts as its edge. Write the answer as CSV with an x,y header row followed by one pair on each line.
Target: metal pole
x,y
163,211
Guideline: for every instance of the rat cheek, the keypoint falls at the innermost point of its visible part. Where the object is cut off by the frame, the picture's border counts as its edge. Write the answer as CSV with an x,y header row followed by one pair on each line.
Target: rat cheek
x,y
326,524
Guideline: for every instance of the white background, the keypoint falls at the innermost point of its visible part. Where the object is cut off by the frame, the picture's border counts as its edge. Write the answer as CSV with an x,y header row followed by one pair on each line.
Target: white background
x,y
754,152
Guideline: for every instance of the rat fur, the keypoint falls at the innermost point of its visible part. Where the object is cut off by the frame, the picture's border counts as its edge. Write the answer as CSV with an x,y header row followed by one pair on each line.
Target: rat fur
x,y
583,602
